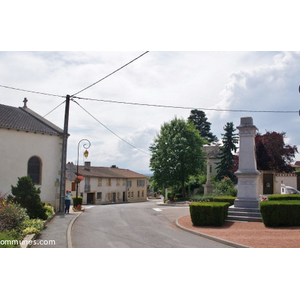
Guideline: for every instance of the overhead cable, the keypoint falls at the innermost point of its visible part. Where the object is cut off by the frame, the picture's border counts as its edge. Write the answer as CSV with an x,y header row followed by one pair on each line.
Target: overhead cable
x,y
54,109
111,130
155,105
110,73
186,107
29,91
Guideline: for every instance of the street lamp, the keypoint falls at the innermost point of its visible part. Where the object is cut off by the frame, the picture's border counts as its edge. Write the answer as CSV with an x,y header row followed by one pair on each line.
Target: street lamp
x,y
86,154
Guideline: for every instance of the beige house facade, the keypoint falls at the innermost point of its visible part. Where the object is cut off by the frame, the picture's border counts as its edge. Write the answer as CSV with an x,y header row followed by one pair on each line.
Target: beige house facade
x,y
103,185
30,146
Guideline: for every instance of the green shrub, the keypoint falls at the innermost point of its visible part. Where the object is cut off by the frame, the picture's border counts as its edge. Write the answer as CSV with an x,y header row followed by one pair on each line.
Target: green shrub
x,y
284,197
49,211
224,187
228,199
280,213
35,225
8,241
77,201
205,198
30,230
28,196
12,215
209,213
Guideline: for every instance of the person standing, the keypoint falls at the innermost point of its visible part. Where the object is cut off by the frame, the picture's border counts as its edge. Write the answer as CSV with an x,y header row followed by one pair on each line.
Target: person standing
x,y
68,201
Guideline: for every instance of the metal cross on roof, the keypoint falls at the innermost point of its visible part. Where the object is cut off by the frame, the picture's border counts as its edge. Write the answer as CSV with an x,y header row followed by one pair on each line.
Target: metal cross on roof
x,y
25,102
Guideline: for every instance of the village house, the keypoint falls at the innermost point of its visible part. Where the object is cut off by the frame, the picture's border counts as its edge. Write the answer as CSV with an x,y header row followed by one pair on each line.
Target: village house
x,y
30,146
102,185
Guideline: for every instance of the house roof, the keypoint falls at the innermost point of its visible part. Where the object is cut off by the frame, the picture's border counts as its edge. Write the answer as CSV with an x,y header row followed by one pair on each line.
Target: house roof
x,y
105,172
24,119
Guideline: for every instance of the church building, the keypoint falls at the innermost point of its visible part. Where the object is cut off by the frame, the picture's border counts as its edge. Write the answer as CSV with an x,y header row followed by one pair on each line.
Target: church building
x,y
31,146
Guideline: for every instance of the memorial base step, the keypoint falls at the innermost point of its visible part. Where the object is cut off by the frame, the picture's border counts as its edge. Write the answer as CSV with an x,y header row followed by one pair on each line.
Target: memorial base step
x,y
243,214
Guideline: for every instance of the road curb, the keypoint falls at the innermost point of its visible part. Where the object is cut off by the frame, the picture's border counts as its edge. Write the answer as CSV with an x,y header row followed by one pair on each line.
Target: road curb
x,y
225,242
69,231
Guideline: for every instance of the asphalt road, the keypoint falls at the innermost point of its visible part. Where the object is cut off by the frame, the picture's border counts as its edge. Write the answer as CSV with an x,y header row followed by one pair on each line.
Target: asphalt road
x,y
135,225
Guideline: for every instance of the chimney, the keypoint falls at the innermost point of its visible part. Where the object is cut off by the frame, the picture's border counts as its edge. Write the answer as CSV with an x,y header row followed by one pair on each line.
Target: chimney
x,y
87,165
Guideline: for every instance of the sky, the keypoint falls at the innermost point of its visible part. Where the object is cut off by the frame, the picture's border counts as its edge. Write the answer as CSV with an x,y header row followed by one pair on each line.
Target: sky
x,y
206,80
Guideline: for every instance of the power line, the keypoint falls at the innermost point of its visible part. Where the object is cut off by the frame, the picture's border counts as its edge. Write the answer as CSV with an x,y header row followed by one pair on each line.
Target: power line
x,y
149,104
185,107
110,73
110,129
54,109
30,91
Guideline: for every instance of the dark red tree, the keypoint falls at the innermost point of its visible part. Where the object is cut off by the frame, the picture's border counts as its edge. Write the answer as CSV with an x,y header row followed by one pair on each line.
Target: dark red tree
x,y
272,154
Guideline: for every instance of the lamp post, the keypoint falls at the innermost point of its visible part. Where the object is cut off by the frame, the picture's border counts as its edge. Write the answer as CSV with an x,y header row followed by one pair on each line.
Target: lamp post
x,y
86,154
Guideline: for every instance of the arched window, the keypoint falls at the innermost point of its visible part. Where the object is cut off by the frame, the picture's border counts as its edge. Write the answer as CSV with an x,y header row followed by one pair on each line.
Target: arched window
x,y
34,169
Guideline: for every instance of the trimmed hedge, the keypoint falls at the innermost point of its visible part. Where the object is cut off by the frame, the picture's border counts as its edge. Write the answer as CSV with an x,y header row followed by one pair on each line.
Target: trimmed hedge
x,y
284,197
225,199
209,213
280,213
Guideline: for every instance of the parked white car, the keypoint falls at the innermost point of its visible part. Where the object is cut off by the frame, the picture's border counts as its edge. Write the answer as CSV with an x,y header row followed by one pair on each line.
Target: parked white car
x,y
289,190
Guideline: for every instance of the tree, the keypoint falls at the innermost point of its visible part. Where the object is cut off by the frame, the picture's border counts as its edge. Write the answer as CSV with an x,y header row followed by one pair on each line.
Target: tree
x,y
226,166
176,154
28,196
199,119
271,152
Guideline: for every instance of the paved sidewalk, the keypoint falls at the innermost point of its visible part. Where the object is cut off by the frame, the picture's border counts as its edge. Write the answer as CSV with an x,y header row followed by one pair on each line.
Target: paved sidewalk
x,y
57,233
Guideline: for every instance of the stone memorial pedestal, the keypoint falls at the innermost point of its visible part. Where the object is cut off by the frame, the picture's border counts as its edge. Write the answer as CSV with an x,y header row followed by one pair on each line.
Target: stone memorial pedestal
x,y
247,174
247,202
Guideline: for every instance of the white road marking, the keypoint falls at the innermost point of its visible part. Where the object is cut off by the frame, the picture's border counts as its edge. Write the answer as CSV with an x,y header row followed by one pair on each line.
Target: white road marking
x,y
157,209
88,207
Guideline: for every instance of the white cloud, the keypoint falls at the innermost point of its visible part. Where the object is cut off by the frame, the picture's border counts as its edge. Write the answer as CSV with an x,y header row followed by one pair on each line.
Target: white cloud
x,y
226,80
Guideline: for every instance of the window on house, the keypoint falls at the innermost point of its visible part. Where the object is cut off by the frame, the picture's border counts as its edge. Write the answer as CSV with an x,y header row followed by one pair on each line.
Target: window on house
x,y
86,184
118,182
138,194
99,195
34,169
99,181
108,182
129,183
124,182
140,182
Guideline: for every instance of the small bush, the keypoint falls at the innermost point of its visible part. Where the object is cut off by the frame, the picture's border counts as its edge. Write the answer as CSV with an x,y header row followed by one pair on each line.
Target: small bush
x,y
49,211
206,198
284,197
12,215
8,241
280,213
209,213
28,196
224,187
77,201
33,226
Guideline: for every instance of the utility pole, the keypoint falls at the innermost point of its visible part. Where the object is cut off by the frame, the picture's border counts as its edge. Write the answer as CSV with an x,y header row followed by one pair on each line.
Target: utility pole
x,y
64,157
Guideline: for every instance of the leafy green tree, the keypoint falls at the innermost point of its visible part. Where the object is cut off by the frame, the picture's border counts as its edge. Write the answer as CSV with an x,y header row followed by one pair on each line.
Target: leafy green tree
x,y
176,154
28,196
199,119
226,166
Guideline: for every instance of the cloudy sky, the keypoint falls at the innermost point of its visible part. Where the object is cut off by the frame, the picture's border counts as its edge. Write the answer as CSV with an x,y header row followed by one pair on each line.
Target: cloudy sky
x,y
207,80
201,55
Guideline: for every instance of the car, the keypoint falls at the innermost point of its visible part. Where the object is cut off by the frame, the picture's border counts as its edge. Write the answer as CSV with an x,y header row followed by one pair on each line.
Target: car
x,y
289,190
